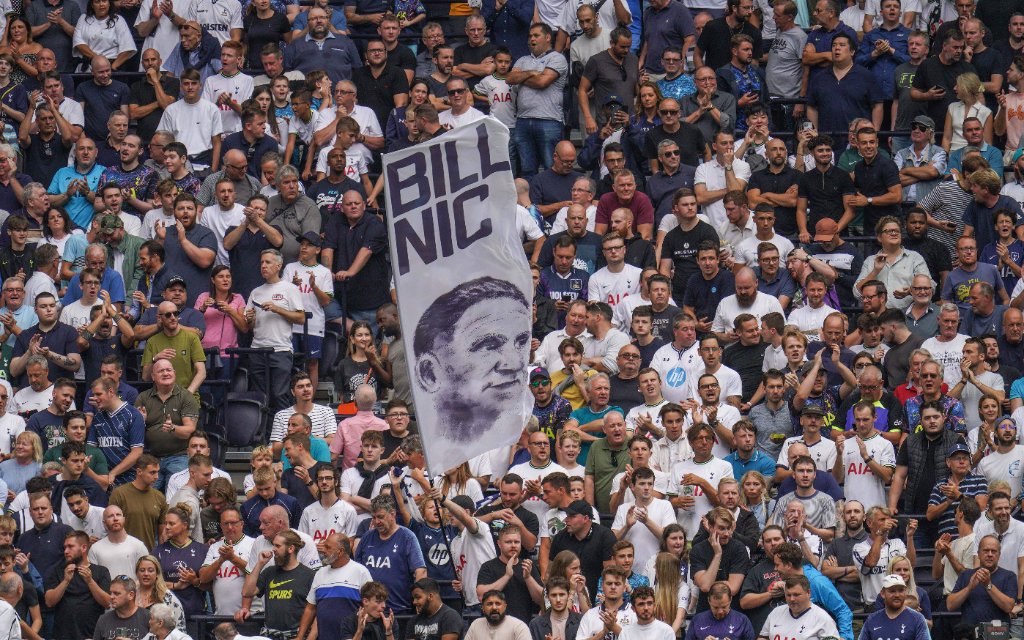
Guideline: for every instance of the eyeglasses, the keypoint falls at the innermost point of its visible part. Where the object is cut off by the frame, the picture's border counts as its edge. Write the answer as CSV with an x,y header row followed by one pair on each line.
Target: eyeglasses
x,y
920,288
713,385
620,247
456,92
968,249
704,80
170,314
630,356
397,415
540,383
540,444
670,154
891,232
239,167
669,112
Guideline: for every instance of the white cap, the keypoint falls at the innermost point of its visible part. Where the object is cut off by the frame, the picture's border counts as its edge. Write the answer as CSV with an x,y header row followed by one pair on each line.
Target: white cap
x,y
892,580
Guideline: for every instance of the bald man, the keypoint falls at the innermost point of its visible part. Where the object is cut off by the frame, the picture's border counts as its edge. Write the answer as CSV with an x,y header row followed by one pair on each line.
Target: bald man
x,y
233,168
274,520
117,551
747,299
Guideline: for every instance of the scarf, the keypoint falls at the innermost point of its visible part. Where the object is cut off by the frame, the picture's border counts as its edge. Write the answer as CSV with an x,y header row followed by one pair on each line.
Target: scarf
x,y
208,49
369,479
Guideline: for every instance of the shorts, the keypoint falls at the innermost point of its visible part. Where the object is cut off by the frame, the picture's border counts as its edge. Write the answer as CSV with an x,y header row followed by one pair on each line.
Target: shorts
x,y
313,347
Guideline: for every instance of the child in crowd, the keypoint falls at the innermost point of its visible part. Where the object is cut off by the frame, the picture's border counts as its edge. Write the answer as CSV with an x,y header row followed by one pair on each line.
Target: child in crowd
x,y
162,216
260,458
622,555
569,446
316,284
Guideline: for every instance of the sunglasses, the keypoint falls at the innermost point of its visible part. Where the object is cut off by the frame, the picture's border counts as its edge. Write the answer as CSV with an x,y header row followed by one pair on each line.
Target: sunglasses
x,y
918,127
456,92
540,383
669,112
170,314
670,154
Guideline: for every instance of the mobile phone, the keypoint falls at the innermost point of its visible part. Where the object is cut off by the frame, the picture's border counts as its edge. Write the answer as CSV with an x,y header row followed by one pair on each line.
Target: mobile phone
x,y
807,126
566,297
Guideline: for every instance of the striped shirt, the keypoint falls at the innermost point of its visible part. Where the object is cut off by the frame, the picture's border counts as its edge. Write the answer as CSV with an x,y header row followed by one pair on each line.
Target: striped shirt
x,y
972,485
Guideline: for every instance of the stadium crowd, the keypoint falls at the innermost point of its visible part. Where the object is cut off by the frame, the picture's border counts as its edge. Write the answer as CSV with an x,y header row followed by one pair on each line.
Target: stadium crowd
x,y
777,355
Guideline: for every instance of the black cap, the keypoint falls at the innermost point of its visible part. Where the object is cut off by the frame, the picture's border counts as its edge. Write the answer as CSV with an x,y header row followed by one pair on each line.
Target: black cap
x,y
812,410
312,238
176,280
465,502
579,508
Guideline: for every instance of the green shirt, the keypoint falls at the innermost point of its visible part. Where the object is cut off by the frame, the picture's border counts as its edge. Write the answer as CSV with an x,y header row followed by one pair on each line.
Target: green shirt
x,y
97,462
179,405
187,347
600,466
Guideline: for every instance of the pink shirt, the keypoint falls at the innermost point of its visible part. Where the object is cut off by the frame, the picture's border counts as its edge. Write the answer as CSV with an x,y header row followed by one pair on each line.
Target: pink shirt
x,y
220,330
346,439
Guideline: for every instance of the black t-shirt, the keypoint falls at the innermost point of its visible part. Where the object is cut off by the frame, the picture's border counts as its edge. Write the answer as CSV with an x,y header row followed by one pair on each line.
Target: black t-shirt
x,y
747,362
842,548
286,593
661,326
259,32
76,614
444,621
298,489
525,515
29,598
714,42
44,158
760,576
468,54
735,559
403,58
767,182
379,93
548,187
932,73
374,629
517,594
143,93
935,254
927,480
647,354
824,193
328,195
134,627
689,138
392,442
624,393
592,551
681,247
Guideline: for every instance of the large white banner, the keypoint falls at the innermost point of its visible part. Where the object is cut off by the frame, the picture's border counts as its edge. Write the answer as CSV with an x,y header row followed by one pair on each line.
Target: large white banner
x,y
464,290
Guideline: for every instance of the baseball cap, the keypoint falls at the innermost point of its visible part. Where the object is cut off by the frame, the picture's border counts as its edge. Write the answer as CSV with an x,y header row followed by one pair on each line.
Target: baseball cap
x,y
465,502
892,580
959,447
539,372
806,369
924,120
613,99
812,410
1016,155
825,229
176,280
312,238
579,508
110,223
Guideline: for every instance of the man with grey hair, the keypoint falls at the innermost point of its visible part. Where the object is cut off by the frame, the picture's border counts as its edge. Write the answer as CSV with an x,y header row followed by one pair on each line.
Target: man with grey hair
x,y
583,193
125,618
234,168
112,281
947,347
11,590
271,311
392,554
294,213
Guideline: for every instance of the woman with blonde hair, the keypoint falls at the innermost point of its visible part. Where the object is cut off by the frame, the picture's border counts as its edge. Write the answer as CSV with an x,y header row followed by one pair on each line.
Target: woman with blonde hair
x,y
902,567
971,104
153,590
566,564
671,591
181,557
754,495
459,481
25,462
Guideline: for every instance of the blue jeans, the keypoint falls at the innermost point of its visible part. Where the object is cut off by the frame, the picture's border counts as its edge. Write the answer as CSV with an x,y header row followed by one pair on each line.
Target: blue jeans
x,y
535,140
170,465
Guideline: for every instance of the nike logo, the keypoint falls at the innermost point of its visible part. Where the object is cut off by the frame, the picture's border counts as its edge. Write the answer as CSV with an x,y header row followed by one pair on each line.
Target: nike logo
x,y
274,585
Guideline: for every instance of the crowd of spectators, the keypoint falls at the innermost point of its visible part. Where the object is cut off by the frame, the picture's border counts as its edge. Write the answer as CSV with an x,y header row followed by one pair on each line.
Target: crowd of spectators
x,y
777,355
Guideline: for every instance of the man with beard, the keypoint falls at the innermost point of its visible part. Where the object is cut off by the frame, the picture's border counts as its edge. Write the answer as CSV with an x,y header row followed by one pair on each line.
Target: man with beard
x,y
935,79
820,191
495,624
190,248
775,275
388,321
286,606
747,299
125,619
920,463
847,261
76,590
837,562
151,94
178,345
1004,457
588,243
674,175
902,343
235,166
514,576
883,623
434,620
550,410
331,598
776,185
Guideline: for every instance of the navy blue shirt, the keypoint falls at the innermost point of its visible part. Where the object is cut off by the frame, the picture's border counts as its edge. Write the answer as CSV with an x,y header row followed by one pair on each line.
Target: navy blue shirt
x,y
821,40
99,103
337,55
46,547
840,101
661,188
980,217
588,252
392,562
245,261
60,339
197,279
767,182
548,187
369,288
704,295
978,607
824,193
253,152
873,180
254,506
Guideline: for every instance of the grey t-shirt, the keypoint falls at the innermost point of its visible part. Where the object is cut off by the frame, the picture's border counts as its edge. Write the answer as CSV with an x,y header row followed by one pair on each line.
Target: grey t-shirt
x,y
544,104
908,109
785,69
111,626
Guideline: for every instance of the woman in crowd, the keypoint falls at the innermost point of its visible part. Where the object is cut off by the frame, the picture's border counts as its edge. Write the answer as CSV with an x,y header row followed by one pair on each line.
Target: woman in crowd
x,y
26,462
901,566
645,117
153,590
971,104
981,439
671,590
58,229
102,32
181,557
755,496
459,481
362,365
395,130
23,48
263,24
222,309
566,565
277,127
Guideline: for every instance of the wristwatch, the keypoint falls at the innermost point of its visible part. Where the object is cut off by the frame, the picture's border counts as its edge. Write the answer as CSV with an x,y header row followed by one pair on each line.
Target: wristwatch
x,y
870,200
988,587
